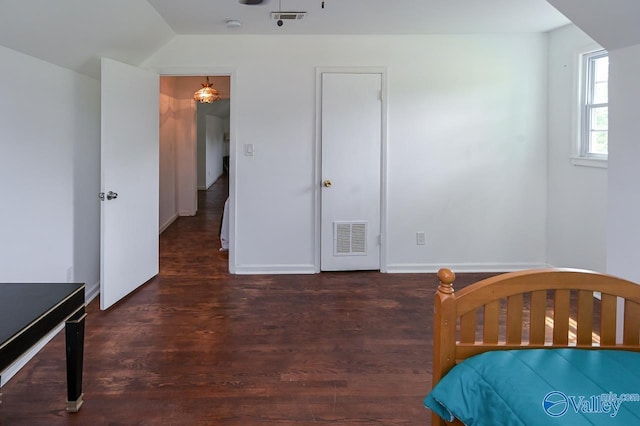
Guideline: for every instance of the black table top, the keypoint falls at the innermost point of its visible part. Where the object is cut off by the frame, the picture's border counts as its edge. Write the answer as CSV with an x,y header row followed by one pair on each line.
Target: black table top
x,y
22,304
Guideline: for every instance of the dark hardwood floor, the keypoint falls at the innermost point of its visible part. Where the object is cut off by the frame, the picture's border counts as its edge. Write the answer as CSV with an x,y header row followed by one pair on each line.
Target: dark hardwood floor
x,y
198,346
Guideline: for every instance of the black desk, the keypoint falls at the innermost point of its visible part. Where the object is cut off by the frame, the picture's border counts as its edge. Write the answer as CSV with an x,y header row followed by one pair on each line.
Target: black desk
x,y
29,311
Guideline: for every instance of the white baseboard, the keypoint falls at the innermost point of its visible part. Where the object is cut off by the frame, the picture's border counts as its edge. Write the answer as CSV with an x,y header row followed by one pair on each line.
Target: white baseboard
x,y
11,370
408,268
212,181
399,268
168,223
91,292
274,269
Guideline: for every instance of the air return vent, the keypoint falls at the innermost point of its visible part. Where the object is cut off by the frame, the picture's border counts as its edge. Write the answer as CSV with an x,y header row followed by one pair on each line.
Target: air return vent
x,y
349,238
295,16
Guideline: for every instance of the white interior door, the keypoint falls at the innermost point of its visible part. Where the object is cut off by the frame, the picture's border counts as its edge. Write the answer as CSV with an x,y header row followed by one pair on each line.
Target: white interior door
x,y
129,167
351,135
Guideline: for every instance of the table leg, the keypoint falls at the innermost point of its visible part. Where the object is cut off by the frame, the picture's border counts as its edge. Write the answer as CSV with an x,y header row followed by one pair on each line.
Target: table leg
x,y
74,331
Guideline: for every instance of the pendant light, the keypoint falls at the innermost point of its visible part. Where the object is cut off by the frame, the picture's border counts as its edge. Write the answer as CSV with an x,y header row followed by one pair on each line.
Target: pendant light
x,y
207,94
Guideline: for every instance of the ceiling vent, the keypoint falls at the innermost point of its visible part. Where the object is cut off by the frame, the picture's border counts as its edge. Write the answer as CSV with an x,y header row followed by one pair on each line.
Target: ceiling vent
x,y
293,16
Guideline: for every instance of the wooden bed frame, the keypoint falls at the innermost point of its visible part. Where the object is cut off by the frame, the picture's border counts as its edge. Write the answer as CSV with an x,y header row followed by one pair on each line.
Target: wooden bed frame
x,y
542,308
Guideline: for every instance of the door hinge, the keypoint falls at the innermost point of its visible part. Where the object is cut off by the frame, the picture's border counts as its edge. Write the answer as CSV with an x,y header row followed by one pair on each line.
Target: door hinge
x,y
109,195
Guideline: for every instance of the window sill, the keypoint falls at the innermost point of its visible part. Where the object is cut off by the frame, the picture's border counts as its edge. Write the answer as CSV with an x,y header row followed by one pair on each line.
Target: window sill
x,y
600,163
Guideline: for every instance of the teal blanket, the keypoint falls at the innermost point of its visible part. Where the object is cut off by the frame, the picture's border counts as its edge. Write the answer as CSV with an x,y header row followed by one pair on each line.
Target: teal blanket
x,y
542,387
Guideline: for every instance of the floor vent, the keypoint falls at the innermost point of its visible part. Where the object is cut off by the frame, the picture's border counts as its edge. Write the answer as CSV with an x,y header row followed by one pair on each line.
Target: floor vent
x,y
350,238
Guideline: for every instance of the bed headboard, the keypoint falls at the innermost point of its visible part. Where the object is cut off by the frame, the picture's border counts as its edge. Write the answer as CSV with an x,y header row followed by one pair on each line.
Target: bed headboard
x,y
540,308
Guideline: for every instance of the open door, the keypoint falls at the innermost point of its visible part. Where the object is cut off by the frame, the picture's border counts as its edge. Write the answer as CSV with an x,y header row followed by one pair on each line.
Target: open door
x,y
129,167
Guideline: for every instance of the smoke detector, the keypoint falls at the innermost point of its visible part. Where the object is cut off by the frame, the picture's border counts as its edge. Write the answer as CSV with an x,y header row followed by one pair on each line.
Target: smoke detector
x,y
286,16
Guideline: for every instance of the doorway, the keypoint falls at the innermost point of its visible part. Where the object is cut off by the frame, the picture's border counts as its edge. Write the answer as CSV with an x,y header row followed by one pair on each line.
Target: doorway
x,y
192,143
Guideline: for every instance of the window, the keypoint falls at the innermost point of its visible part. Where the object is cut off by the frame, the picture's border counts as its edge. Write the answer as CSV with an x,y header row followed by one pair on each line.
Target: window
x,y
594,134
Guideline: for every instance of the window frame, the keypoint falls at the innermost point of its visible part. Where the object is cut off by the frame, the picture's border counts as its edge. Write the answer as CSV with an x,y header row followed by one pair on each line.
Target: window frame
x,y
583,156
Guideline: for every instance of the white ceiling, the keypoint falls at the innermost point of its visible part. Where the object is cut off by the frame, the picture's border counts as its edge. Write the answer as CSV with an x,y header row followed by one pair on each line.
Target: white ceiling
x,y
362,16
76,33
614,23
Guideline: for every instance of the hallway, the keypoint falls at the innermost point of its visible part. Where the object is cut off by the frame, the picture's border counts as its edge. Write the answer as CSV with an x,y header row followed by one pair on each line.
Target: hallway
x,y
198,346
189,247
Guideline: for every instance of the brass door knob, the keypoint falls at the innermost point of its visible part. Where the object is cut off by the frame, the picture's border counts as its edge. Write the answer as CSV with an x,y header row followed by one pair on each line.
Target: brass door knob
x,y
327,183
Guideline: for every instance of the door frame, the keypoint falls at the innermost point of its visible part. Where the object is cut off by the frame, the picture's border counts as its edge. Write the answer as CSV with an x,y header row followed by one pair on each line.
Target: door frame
x,y
231,72
317,166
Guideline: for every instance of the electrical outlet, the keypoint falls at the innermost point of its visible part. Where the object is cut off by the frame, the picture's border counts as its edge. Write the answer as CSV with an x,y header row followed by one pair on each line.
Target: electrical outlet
x,y
70,274
421,238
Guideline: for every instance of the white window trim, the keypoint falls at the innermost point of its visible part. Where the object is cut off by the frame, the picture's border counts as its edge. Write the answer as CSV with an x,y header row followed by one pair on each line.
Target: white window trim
x,y
577,157
600,163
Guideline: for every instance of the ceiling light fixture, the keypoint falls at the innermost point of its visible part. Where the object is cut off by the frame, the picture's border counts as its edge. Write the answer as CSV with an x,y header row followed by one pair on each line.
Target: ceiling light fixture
x,y
207,94
233,23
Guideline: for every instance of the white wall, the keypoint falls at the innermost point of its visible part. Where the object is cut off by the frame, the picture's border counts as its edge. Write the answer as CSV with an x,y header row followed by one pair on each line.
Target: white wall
x,y
177,152
623,222
577,195
466,144
186,157
214,141
49,172
168,206
210,137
